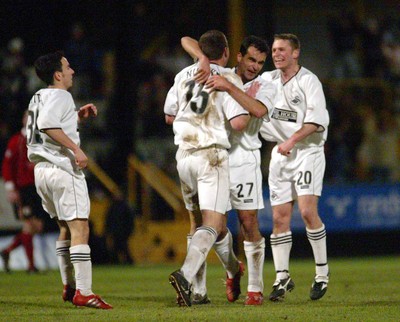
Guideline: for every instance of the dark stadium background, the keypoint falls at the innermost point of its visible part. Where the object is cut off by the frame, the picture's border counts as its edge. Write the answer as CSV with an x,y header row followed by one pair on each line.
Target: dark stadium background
x,y
45,25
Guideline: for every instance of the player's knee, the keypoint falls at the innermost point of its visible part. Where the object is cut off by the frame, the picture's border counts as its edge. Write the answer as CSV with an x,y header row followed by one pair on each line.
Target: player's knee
x,y
250,229
309,214
281,222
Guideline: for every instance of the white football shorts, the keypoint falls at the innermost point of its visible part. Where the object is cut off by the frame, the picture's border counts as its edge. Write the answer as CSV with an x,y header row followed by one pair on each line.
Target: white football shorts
x,y
246,179
301,173
63,195
204,176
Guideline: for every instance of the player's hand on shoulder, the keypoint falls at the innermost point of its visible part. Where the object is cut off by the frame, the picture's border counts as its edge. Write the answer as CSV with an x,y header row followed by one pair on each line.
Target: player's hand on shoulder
x,y
253,89
203,71
218,82
87,110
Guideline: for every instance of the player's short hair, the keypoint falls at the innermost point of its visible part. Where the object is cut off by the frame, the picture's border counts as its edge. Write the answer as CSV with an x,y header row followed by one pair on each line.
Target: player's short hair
x,y
256,42
293,40
47,65
213,43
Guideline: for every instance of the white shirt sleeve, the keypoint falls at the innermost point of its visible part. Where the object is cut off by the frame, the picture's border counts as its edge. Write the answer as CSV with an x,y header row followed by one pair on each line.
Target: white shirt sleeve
x,y
171,101
50,115
230,106
266,95
316,105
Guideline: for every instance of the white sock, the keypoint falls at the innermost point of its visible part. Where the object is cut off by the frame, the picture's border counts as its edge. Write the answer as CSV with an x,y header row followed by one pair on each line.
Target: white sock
x,y
80,258
281,244
202,241
224,250
317,239
255,254
199,281
64,262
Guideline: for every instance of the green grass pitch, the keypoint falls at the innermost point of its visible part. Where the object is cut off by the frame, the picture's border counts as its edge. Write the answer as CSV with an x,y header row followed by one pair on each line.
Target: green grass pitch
x,y
360,289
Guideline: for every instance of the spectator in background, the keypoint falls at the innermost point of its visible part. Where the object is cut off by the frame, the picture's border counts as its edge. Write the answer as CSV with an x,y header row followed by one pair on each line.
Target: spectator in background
x,y
13,83
391,53
371,45
3,136
79,52
19,180
172,59
344,137
365,155
119,227
154,139
379,152
344,32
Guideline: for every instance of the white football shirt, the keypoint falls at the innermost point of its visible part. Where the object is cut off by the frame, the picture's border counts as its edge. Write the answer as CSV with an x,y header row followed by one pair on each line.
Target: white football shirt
x,y
248,138
300,100
201,117
52,108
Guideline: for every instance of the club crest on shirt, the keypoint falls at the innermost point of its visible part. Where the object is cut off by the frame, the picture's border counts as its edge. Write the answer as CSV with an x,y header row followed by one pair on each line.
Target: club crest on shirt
x,y
284,115
296,100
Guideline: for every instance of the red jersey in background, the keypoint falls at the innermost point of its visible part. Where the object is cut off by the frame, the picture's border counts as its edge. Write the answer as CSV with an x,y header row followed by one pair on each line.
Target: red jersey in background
x,y
17,170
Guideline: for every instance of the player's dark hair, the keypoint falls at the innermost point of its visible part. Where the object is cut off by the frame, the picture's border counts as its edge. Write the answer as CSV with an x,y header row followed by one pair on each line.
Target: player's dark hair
x,y
213,43
47,65
294,41
256,42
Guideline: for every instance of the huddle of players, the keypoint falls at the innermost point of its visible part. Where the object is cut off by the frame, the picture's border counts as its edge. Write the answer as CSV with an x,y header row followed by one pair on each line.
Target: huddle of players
x,y
210,115
216,121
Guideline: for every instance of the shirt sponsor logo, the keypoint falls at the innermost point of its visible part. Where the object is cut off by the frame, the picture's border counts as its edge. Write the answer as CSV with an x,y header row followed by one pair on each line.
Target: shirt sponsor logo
x,y
283,115
305,186
248,200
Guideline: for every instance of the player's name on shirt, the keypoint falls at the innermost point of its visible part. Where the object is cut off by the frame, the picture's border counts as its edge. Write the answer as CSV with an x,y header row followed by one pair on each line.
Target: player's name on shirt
x,y
190,73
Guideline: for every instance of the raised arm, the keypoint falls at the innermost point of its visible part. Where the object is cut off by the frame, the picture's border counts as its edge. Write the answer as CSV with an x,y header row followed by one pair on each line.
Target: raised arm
x,y
87,110
191,46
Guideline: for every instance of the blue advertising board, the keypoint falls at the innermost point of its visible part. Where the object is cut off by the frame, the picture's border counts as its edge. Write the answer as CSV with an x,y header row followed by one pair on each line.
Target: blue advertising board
x,y
358,207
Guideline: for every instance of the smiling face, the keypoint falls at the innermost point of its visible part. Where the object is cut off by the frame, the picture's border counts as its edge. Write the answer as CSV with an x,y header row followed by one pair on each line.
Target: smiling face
x,y
284,56
64,78
250,65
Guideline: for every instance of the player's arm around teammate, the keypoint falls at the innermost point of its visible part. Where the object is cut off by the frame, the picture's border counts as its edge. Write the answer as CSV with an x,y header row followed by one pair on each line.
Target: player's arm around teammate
x,y
220,83
202,131
244,155
192,48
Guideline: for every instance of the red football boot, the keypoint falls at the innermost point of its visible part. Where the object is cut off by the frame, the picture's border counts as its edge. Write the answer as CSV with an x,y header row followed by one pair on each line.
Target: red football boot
x,y
233,284
93,300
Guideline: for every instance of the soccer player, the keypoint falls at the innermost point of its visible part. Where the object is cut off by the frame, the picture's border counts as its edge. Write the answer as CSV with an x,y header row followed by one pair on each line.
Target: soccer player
x,y
53,145
17,172
299,124
202,121
244,155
